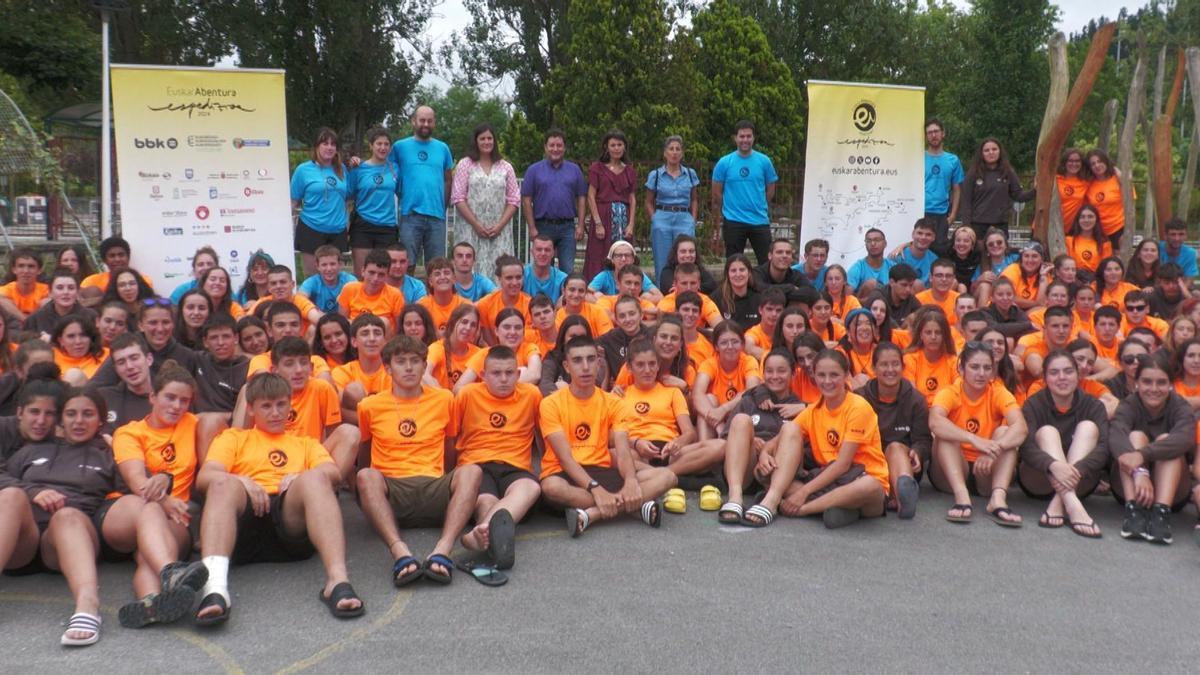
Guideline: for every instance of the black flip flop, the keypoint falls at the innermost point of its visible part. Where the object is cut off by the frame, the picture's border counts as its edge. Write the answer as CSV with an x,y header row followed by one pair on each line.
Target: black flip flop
x,y
502,542
961,508
438,577
340,592
996,518
213,600
399,579
1075,527
484,574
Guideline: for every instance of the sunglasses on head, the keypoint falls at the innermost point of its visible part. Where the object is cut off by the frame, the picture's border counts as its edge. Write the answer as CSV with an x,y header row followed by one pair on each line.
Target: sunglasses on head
x,y
156,302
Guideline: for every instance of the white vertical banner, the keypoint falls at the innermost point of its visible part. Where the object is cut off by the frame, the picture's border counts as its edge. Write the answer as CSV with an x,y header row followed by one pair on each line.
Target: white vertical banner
x,y
864,165
202,160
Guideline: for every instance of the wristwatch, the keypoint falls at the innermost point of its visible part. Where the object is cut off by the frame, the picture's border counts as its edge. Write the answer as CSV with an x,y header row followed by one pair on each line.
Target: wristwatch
x,y
592,485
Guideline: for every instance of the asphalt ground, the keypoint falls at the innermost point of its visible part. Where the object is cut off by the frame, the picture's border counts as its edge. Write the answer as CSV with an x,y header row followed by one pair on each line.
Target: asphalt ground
x,y
884,595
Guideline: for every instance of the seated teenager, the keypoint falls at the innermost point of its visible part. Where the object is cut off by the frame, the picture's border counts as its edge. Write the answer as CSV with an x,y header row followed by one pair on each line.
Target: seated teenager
x,y
282,288
1137,315
829,461
129,399
1111,286
77,348
858,344
442,300
737,297
607,282
629,283
674,367
1150,437
574,303
398,276
22,294
903,427
193,310
542,330
942,288
898,293
1032,348
37,411
753,429
324,287
1008,367
1083,311
512,277
468,283
555,375
332,341
449,355
929,362
687,278
871,271
64,300
841,298
822,323
115,253
588,468
497,426
221,370
409,431
510,333
1004,311
1056,294
253,338
372,295
685,250
759,336
627,317
1028,275
113,320
917,252
721,380
1086,244
270,496
128,288
157,458
366,374
1084,354
1181,329
284,320
699,347
32,357
997,256
416,323
1065,455
1105,335
977,427
804,352
156,323
216,285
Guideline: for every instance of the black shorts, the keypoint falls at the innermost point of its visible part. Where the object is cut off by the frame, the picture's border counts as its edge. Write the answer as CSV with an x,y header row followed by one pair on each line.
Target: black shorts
x,y
607,476
263,539
309,240
107,553
811,470
498,477
365,234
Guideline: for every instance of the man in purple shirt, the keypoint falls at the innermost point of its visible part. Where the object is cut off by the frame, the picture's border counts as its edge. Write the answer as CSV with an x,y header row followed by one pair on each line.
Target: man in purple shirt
x,y
552,195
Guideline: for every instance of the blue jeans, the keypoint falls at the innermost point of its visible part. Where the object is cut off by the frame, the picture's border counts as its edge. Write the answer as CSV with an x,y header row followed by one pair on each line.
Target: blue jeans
x,y
563,236
664,227
423,234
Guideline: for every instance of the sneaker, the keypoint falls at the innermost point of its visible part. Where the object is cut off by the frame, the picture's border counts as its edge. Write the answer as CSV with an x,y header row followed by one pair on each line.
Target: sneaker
x,y
1158,530
1135,521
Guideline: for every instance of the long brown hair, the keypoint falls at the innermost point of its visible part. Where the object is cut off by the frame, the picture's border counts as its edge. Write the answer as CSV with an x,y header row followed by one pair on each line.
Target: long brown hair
x,y
326,134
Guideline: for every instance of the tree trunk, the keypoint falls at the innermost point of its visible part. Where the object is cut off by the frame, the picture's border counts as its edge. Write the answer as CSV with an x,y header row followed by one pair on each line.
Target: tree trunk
x,y
1147,224
1189,179
1060,82
1133,112
1163,167
1054,139
1106,125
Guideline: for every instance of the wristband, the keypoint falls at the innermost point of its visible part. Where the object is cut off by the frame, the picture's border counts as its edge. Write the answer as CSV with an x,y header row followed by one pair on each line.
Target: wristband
x,y
1141,471
170,483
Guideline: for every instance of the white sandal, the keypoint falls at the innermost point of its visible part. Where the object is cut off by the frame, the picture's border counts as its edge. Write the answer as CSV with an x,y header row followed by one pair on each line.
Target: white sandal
x,y
82,622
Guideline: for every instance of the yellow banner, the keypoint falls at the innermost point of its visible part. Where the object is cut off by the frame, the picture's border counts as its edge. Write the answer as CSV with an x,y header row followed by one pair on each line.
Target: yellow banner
x,y
864,165
201,161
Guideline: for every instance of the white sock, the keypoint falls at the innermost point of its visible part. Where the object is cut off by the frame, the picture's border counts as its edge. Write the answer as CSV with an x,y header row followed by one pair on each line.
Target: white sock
x,y
218,576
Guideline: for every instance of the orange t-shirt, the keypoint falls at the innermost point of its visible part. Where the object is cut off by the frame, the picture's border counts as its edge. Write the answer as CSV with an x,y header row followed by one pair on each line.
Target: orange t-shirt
x,y
100,280
803,387
170,450
832,332
87,363
524,353
901,337
1087,386
493,429
314,408
491,304
441,313
586,423
260,362
762,339
1086,253
854,421
1105,195
408,435
1115,297
1154,323
709,313
533,337
1072,192
1037,317
929,377
848,304
596,318
981,416
265,458
28,304
387,304
700,351
653,414
448,376
925,297
624,378
860,363
608,303
726,385
353,372
1025,287
1110,352
301,302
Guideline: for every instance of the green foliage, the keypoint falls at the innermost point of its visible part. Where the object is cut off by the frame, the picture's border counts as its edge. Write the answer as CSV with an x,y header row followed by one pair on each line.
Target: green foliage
x,y
740,78
17,141
521,142
51,51
459,110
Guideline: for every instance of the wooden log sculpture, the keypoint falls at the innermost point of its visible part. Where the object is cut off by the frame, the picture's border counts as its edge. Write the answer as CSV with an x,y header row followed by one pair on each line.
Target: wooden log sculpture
x,y
1162,181
1189,177
1133,114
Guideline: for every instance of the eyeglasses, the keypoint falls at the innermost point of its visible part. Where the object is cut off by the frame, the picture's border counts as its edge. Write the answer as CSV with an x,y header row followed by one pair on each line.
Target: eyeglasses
x,y
1135,308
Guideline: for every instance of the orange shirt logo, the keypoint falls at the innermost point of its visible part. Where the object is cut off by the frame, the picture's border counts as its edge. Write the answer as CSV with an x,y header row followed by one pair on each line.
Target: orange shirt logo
x,y
583,431
1026,293
1087,255
454,375
168,453
642,407
408,427
973,425
292,415
931,384
277,458
1069,190
1099,196
730,393
497,420
833,438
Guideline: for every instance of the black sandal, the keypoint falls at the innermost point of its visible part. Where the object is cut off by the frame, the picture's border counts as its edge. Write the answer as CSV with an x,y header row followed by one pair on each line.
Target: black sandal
x,y
340,592
438,577
213,600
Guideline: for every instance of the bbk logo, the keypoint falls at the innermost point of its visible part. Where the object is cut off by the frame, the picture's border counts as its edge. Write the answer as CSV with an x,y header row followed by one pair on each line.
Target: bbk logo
x,y
155,143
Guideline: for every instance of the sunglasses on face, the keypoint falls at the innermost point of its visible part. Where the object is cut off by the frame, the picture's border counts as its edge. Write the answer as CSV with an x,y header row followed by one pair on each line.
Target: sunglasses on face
x,y
1135,308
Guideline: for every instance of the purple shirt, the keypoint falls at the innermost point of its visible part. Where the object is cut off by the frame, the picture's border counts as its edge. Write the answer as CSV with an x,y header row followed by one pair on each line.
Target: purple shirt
x,y
554,190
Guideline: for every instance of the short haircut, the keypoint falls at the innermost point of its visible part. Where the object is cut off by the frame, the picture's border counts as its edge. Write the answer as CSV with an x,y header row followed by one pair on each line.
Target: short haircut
x,y
924,224
127,340
216,321
1168,271
279,307
540,300
111,243
942,263
506,260
686,268
554,132
499,353
1057,310
267,386
874,230
279,269
366,319
688,298
902,272
743,124
289,346
439,263
977,315
1136,296
815,243
779,240
1175,223
378,257
932,121
629,270
1107,312
1081,343
404,344
577,342
772,296
462,244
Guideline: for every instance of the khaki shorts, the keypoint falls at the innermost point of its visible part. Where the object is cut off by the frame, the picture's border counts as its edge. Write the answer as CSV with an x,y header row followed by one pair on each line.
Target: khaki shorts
x,y
419,501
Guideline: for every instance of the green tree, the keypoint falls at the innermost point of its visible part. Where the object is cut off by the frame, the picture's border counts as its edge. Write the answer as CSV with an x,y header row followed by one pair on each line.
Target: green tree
x,y
740,78
170,32
459,110
613,76
521,142
52,52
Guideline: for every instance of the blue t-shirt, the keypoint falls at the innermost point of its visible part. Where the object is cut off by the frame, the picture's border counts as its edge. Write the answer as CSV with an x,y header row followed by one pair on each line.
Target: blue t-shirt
x,y
1009,258
605,283
1186,259
413,289
942,172
745,180
923,266
177,294
322,197
551,287
324,296
374,188
860,271
819,282
423,166
672,191
480,286
553,189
